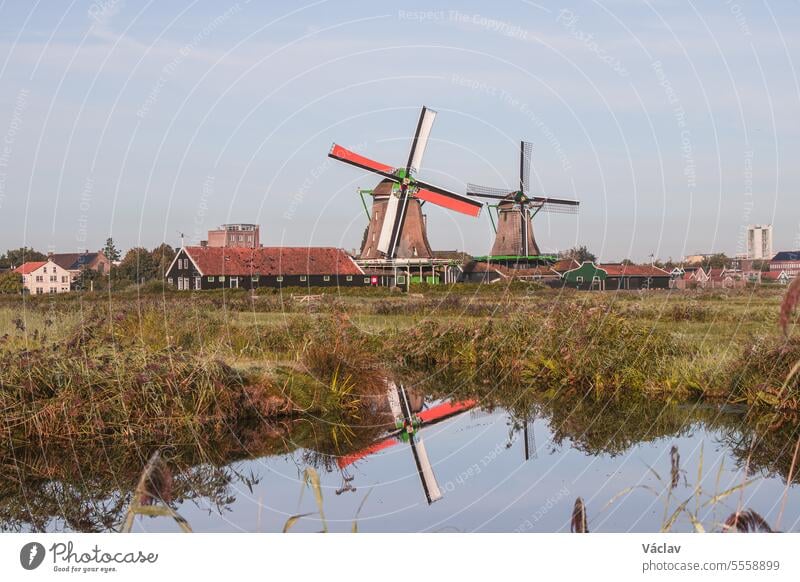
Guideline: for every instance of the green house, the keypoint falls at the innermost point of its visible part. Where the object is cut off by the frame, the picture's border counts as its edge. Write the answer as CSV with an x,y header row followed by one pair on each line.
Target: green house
x,y
587,276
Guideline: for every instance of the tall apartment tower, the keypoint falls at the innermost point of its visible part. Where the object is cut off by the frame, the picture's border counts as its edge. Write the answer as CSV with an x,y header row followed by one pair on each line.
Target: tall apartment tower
x,y
235,235
759,242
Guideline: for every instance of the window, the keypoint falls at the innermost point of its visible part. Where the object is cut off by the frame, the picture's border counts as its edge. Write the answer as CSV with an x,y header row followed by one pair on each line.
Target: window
x,y
210,279
366,280
54,278
53,289
222,278
39,290
326,278
254,278
65,279
349,277
39,279
401,279
45,270
279,279
579,279
303,278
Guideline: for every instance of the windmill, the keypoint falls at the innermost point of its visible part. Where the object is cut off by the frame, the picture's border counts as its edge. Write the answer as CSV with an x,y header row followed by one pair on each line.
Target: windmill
x,y
397,227
516,209
409,420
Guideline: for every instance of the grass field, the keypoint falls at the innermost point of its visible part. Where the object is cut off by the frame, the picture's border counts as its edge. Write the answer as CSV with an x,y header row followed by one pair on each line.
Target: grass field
x,y
288,355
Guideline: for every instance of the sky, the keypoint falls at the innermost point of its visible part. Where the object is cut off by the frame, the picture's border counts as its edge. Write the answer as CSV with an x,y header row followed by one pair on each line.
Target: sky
x,y
674,123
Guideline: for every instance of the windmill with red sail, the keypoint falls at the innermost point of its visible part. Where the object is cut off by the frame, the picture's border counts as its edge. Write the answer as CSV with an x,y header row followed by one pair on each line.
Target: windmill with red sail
x,y
397,227
514,241
408,423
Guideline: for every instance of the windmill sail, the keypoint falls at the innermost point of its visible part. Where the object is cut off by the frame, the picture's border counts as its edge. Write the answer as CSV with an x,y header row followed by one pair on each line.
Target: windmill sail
x,y
424,126
391,233
425,470
385,239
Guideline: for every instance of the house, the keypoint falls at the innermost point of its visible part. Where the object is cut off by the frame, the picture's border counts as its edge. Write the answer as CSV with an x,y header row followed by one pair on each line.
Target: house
x,y
76,262
40,277
587,276
788,261
725,278
483,272
688,277
620,276
781,278
616,277
206,267
234,235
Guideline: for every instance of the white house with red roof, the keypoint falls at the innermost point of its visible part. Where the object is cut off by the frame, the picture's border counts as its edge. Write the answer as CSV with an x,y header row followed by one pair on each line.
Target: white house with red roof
x,y
41,277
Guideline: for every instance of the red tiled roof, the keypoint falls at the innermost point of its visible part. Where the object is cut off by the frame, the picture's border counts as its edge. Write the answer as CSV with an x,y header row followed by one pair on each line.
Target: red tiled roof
x,y
565,265
272,261
29,267
634,271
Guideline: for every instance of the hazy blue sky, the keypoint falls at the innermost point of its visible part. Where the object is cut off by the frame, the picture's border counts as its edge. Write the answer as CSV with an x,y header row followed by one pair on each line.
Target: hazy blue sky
x,y
675,123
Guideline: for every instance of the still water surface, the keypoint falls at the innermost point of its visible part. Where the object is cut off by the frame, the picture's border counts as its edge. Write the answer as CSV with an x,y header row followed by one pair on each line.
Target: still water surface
x,y
486,483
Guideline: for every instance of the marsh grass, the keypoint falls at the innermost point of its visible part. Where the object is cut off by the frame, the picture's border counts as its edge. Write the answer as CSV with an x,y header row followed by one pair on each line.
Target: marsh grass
x,y
153,494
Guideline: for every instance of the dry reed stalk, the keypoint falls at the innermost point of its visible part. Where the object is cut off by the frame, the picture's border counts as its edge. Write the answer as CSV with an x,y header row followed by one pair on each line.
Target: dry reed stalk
x,y
747,521
579,522
788,484
154,482
675,466
790,302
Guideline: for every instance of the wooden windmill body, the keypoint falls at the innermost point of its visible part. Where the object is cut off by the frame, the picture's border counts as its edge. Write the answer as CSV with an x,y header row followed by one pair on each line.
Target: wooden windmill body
x,y
397,228
413,240
514,235
514,240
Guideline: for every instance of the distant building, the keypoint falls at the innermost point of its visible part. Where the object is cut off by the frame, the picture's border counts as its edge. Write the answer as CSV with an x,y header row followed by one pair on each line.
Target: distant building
x,y
759,242
41,277
616,277
199,268
779,277
697,259
76,262
788,261
234,235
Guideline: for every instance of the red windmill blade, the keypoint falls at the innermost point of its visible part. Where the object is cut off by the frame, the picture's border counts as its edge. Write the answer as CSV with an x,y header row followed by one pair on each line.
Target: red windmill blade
x,y
406,186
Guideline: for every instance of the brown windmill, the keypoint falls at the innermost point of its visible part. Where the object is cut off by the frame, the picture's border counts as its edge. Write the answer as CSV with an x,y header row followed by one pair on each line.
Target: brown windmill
x,y
397,226
515,210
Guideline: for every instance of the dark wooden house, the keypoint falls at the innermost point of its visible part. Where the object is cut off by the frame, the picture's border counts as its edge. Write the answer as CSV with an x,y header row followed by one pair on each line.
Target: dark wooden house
x,y
199,268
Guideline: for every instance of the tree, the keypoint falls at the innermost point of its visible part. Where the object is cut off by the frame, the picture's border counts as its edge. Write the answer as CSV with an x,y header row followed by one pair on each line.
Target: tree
x,y
162,256
581,254
110,250
88,280
717,261
15,257
627,262
10,283
137,266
